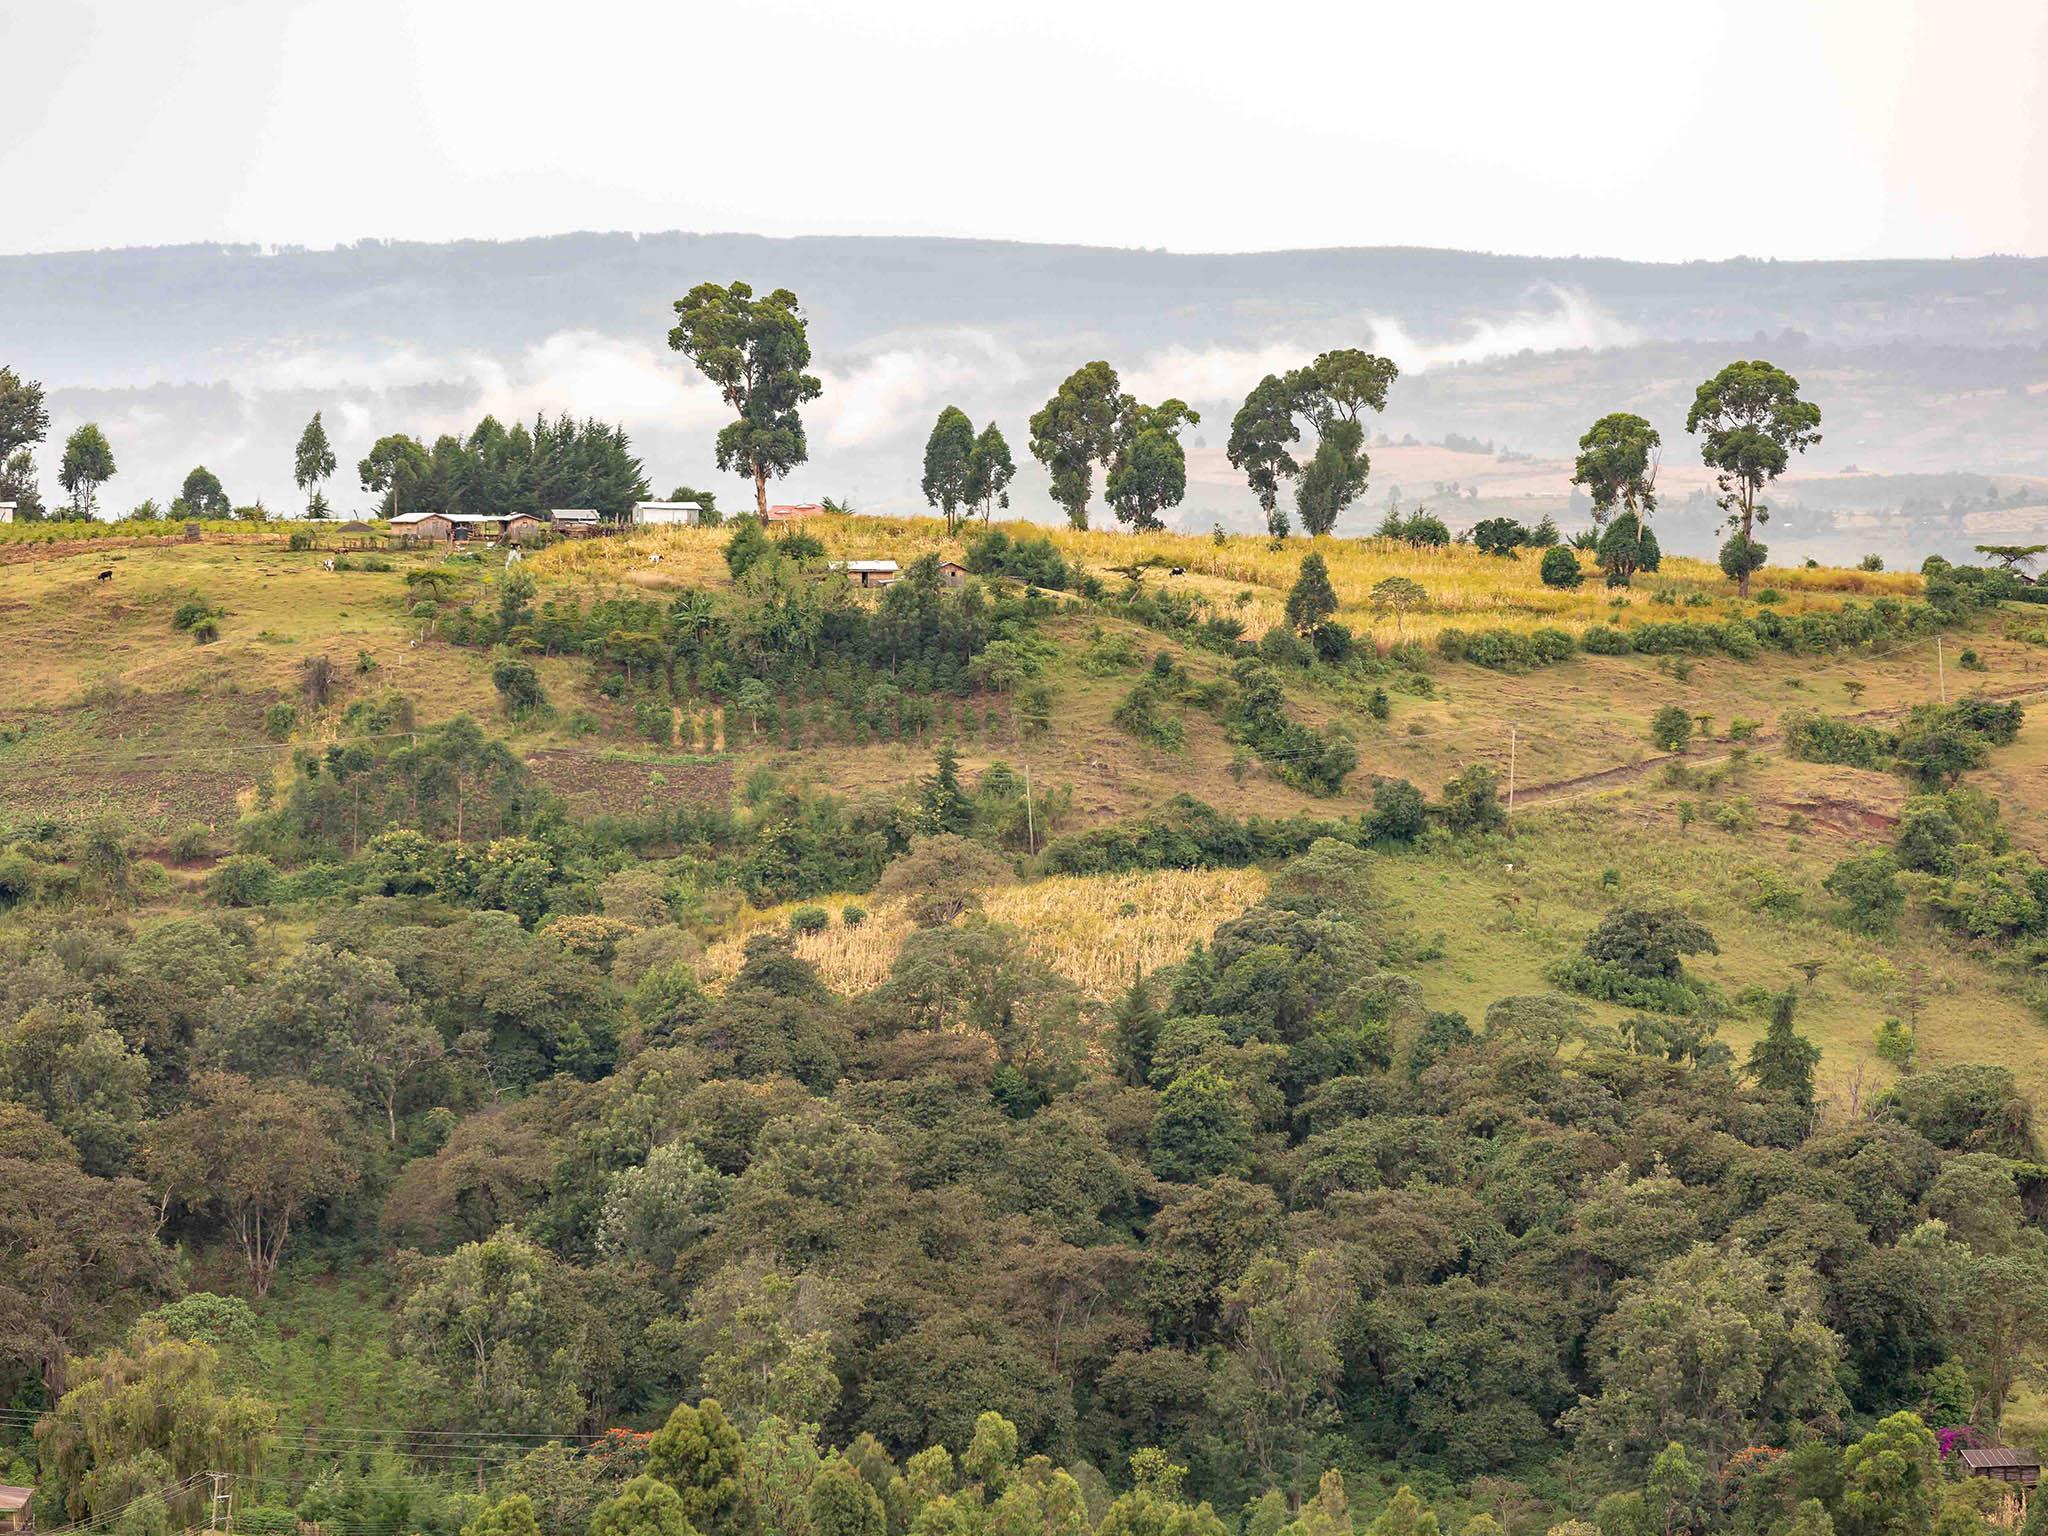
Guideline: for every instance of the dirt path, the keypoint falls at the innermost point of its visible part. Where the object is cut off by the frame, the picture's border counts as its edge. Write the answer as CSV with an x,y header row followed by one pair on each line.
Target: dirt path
x,y
1604,779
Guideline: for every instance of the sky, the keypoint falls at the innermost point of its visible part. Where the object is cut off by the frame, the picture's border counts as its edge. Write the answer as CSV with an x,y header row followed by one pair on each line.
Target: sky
x,y
1628,128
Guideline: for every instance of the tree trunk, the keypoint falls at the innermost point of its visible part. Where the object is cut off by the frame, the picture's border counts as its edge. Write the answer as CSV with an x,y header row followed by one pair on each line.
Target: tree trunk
x,y
761,493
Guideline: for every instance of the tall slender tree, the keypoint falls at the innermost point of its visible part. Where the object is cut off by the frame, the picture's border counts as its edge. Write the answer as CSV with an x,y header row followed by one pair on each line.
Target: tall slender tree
x,y
88,464
990,469
755,351
1073,430
948,454
1259,434
312,463
1750,420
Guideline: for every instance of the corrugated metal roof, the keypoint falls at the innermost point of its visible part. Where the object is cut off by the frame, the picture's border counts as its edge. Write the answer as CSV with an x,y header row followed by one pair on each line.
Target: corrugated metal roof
x,y
12,1498
1999,1458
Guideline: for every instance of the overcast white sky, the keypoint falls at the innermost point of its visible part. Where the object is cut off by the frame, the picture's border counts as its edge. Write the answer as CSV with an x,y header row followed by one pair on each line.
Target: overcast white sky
x,y
1638,128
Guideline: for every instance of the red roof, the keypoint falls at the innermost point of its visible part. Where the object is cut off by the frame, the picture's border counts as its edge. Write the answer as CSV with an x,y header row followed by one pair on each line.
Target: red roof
x,y
777,514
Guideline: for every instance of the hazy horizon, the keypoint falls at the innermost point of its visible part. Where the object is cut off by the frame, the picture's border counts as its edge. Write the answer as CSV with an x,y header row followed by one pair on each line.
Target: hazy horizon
x,y
1892,128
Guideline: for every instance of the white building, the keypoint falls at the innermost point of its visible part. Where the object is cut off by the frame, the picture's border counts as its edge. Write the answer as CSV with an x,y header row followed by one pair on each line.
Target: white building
x,y
6,511
668,514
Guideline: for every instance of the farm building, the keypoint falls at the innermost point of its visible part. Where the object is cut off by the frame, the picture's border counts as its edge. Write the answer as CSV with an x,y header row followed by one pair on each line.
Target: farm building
x,y
791,512
868,573
14,1502
574,522
462,527
952,573
6,511
2001,1463
668,514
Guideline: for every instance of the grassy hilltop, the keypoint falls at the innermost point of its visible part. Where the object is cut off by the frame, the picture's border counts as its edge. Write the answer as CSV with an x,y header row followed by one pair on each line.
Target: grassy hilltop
x,y
1053,941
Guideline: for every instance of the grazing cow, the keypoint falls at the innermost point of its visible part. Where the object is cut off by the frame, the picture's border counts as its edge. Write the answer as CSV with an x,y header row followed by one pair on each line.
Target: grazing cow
x,y
105,576
654,559
1178,571
326,565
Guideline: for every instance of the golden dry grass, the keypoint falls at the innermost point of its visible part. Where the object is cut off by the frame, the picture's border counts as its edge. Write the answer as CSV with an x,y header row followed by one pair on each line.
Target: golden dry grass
x,y
1244,577
1092,929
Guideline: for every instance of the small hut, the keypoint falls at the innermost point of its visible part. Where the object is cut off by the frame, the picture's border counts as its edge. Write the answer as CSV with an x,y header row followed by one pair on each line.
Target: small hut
x,y
14,1511
2004,1464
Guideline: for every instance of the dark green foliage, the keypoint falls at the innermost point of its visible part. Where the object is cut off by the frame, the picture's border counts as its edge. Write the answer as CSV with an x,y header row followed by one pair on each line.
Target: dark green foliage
x,y
1560,568
1671,728
1868,887
1312,600
1471,802
1498,536
519,686
1317,761
1031,559
1183,833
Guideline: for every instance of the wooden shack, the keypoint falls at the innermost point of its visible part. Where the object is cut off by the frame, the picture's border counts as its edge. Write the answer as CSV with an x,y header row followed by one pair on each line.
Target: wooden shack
x,y
14,1510
2004,1464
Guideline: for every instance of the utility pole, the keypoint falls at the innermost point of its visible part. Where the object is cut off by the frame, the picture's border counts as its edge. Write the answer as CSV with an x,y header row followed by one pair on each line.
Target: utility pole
x,y
1940,669
220,1516
1511,770
1030,826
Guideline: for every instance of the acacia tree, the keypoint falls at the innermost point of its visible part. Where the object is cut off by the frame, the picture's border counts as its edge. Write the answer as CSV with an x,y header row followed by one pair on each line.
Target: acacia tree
x,y
1074,429
948,454
2014,557
1751,422
1259,434
88,464
312,463
1148,470
990,469
755,351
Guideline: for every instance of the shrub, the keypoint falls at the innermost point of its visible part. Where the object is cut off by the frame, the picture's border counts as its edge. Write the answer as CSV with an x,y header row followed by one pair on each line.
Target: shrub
x,y
852,915
1671,728
1471,802
518,686
245,880
810,919
279,721
1867,885
192,841
1604,640
1819,739
1560,568
192,613
1898,1043
1398,813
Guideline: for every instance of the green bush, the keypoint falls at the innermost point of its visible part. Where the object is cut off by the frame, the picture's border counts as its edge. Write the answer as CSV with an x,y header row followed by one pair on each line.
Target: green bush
x,y
810,919
1560,568
245,880
280,720
852,915
192,841
1671,728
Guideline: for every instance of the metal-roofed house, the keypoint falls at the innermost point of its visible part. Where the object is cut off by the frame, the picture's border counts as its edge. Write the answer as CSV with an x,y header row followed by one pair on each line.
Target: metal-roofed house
x,y
14,1508
868,573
